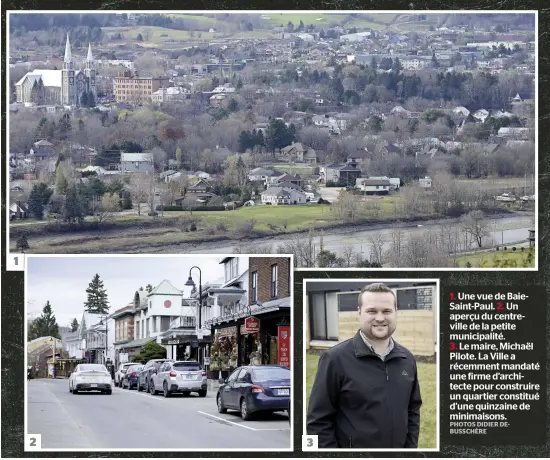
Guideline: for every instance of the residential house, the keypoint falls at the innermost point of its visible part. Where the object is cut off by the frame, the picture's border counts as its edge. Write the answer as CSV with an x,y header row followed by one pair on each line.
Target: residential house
x,y
293,179
283,195
93,336
514,133
395,182
461,110
341,174
19,210
71,344
294,152
374,186
359,158
136,163
425,182
259,174
197,193
42,154
170,94
481,115
217,100
273,178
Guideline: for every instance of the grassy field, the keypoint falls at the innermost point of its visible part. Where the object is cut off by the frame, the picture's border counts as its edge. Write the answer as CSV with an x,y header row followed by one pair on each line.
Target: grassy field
x,y
384,18
512,259
291,169
427,379
157,34
307,18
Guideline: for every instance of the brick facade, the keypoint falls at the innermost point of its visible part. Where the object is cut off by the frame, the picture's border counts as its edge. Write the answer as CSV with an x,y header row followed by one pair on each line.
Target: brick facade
x,y
120,326
262,266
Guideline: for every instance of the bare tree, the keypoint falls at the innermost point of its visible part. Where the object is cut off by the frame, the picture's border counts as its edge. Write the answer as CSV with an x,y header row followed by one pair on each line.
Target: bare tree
x,y
377,250
476,226
347,255
108,206
140,185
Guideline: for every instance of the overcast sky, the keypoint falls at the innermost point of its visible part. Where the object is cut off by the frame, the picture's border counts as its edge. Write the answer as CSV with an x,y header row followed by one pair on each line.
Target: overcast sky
x,y
63,280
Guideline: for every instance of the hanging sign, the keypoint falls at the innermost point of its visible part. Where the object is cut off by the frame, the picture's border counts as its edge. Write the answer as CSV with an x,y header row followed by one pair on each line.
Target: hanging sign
x,y
283,355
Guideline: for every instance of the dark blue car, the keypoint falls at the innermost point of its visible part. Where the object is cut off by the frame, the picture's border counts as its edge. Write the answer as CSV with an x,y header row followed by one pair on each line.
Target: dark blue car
x,y
251,389
130,378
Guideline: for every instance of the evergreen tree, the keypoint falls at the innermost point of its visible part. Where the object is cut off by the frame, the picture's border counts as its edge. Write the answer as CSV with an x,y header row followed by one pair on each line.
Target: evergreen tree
x,y
373,63
74,325
35,203
178,155
73,209
149,288
64,126
22,242
45,325
61,183
97,297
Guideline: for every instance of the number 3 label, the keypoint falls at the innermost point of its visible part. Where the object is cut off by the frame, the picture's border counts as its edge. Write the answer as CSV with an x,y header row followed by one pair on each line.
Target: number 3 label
x,y
33,442
310,442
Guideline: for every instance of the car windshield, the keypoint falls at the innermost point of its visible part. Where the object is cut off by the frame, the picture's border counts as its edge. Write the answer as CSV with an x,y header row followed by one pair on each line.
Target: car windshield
x,y
262,374
92,368
135,368
187,366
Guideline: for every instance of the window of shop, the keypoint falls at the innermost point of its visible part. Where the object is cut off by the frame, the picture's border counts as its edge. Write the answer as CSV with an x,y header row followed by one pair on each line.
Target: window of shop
x,y
274,274
254,297
125,334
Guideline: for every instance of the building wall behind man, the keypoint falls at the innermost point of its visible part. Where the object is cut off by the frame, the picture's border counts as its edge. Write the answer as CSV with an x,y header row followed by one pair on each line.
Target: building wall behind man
x,y
262,265
415,329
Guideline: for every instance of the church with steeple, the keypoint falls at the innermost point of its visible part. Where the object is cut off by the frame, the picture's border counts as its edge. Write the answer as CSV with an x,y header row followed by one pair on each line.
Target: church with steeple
x,y
68,86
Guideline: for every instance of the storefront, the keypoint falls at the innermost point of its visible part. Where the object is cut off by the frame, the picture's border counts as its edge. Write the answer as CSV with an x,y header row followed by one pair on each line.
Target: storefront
x,y
258,334
185,347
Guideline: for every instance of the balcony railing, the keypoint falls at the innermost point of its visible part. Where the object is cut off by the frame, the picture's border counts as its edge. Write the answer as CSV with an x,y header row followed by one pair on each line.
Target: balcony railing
x,y
183,322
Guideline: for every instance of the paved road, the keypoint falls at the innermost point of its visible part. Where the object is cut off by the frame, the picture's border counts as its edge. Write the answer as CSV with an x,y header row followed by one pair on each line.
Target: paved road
x,y
128,419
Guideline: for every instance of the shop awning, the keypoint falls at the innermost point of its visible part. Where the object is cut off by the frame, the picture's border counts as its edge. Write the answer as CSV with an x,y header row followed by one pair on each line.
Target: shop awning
x,y
252,310
186,339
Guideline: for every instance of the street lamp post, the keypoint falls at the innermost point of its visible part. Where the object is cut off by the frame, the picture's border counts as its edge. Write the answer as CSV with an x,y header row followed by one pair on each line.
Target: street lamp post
x,y
190,282
106,338
53,354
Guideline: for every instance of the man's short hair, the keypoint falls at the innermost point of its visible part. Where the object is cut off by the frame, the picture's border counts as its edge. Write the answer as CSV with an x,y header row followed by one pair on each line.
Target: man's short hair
x,y
376,287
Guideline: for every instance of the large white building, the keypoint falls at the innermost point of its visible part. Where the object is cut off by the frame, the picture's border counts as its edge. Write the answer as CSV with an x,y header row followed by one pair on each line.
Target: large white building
x,y
59,87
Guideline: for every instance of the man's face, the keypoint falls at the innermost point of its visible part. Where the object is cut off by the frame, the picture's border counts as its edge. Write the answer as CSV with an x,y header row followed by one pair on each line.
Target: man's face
x,y
377,315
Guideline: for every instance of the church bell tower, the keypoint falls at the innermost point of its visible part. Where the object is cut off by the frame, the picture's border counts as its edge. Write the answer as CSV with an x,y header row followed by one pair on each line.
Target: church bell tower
x,y
68,84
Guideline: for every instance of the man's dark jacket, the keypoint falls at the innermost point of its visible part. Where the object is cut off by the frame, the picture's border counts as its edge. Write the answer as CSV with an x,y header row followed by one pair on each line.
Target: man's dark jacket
x,y
360,401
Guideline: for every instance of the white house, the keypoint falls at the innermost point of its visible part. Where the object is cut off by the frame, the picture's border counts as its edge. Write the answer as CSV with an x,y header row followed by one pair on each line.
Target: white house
x,y
481,115
259,174
71,344
425,182
370,185
283,195
395,182
461,110
170,94
96,337
136,163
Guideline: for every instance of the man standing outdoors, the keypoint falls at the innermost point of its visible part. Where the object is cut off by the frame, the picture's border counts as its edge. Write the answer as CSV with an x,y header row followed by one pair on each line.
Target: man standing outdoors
x,y
366,393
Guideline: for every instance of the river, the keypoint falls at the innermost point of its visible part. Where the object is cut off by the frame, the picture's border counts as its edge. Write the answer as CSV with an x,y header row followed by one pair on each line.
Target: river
x,y
340,239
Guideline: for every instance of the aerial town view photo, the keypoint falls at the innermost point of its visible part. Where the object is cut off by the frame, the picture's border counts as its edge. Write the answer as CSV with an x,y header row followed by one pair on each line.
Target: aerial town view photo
x,y
189,353
348,139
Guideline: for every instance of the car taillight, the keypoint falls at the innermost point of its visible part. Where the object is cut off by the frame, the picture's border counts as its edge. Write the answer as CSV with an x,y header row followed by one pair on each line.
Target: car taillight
x,y
257,389
203,373
173,374
133,374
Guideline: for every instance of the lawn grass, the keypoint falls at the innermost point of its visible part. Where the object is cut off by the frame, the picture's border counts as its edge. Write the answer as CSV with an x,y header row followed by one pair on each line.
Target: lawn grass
x,y
492,259
384,18
428,411
291,168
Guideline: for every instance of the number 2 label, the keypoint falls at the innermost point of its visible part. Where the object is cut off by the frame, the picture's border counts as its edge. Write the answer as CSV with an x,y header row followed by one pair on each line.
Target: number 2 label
x,y
33,442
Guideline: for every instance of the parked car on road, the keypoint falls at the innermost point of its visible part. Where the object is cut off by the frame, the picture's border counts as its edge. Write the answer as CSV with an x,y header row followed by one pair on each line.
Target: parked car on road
x,y
179,377
121,371
130,377
251,389
90,377
151,367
